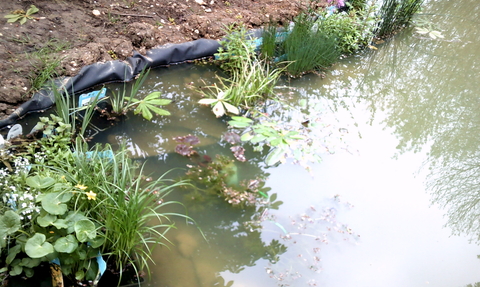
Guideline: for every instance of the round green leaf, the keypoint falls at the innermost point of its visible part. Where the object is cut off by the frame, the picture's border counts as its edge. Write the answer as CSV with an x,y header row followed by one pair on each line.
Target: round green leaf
x,y
85,230
46,220
38,181
36,247
66,244
30,262
9,223
53,203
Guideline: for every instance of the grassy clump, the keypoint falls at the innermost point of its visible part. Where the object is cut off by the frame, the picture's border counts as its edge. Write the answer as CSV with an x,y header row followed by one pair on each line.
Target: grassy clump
x,y
308,47
395,14
45,63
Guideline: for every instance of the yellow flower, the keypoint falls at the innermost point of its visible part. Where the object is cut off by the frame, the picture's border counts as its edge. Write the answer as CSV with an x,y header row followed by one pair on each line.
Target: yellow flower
x,y
80,186
91,195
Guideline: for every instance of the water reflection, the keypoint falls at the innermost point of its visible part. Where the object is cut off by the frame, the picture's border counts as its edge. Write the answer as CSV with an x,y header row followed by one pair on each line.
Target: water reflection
x,y
442,112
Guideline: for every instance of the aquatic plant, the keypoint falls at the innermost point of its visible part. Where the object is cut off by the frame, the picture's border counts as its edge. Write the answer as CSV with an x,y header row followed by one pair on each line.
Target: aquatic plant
x,y
396,14
246,88
220,177
308,47
269,47
121,103
237,48
74,205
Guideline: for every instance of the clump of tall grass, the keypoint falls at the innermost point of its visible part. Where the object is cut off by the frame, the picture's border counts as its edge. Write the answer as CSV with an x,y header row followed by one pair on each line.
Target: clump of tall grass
x,y
269,47
395,14
128,206
308,47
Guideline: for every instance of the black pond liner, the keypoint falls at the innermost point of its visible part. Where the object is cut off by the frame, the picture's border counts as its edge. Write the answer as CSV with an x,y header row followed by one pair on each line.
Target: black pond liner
x,y
115,71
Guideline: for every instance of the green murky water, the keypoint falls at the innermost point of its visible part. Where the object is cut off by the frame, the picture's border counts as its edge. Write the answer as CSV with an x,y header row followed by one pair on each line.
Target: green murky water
x,y
398,129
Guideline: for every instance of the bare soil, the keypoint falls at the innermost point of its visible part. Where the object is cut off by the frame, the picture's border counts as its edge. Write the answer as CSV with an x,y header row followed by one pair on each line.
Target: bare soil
x,y
105,30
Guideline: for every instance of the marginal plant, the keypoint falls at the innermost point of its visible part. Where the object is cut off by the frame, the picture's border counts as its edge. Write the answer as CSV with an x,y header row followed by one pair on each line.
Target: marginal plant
x,y
308,48
269,47
21,15
121,103
237,48
396,14
245,88
73,205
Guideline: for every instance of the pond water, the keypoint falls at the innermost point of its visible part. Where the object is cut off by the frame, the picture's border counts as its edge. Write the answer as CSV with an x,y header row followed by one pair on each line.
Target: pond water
x,y
398,129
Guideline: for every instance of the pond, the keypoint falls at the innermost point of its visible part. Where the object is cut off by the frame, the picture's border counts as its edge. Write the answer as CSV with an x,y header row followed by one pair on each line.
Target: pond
x,y
398,128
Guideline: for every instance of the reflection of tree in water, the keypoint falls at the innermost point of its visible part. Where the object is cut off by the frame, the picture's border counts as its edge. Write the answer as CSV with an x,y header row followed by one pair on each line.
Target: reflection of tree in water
x,y
429,91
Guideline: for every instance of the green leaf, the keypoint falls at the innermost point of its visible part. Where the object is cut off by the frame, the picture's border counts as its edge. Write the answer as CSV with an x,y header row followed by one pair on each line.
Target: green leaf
x,y
23,20
16,270
54,202
28,272
242,119
258,138
30,262
246,137
37,247
145,112
39,182
9,223
85,230
32,10
159,111
66,244
12,252
275,156
46,220
79,275
96,242
207,101
72,218
60,223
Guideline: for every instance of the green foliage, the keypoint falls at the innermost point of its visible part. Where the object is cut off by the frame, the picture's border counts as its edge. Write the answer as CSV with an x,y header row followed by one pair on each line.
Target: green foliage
x,y
121,103
396,14
22,16
220,177
45,63
268,133
236,49
308,47
73,204
269,47
348,29
246,88
150,104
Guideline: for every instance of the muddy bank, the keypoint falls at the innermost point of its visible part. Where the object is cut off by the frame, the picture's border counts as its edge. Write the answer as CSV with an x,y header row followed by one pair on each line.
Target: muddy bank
x,y
81,32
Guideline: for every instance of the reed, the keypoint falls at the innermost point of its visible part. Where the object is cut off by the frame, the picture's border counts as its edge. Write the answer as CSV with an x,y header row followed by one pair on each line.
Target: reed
x,y
396,14
269,48
308,48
